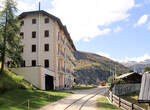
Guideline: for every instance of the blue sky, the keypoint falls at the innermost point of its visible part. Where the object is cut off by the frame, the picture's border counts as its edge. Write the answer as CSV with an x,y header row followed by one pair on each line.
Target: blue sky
x,y
118,29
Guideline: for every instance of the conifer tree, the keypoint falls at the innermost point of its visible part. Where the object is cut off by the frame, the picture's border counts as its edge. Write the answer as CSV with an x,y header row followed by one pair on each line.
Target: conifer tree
x,y
10,41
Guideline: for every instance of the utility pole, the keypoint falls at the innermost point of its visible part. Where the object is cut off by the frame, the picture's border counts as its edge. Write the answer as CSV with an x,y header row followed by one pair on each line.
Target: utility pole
x,y
115,72
4,48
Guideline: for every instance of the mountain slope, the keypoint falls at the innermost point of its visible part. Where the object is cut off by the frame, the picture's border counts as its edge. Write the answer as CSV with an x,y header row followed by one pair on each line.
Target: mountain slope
x,y
139,67
91,68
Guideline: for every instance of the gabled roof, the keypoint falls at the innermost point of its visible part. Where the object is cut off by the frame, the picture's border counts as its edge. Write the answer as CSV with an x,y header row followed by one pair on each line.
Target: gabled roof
x,y
24,14
127,75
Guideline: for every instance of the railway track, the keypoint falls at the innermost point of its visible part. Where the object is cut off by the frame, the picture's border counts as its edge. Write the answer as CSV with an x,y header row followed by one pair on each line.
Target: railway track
x,y
86,97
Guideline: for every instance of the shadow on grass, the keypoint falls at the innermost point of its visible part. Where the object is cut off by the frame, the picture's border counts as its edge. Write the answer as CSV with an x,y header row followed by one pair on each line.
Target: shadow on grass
x,y
17,99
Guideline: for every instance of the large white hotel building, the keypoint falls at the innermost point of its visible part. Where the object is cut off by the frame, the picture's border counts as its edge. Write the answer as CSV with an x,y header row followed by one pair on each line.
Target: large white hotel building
x,y
48,51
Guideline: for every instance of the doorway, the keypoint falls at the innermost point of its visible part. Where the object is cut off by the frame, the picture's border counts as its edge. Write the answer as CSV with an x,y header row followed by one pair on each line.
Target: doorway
x,y
49,85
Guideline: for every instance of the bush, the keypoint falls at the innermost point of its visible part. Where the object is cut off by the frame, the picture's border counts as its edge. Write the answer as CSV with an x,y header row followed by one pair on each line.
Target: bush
x,y
110,79
116,81
146,69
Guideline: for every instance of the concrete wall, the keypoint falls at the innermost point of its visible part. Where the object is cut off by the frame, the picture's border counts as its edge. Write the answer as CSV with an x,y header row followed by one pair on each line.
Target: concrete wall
x,y
35,75
120,89
31,74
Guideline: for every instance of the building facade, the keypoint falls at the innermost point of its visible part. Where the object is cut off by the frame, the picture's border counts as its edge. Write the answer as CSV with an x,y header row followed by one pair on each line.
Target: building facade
x,y
47,43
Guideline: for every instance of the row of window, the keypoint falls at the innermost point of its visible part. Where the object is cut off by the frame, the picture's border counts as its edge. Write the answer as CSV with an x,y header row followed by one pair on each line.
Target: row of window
x,y
34,21
46,47
33,63
46,34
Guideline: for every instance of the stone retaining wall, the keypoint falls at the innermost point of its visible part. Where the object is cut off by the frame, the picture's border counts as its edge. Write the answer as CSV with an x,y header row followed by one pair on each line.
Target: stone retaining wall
x,y
121,89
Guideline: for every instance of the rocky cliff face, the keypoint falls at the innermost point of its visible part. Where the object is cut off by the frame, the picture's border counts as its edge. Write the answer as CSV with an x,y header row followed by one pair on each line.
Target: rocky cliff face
x,y
92,68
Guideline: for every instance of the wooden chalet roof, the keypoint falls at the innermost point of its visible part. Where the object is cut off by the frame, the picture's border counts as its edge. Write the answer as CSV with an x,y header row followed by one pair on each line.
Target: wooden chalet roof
x,y
126,75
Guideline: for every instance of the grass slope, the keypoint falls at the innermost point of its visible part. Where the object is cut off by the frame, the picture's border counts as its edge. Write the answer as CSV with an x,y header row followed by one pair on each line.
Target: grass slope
x,y
17,99
9,81
15,91
103,104
133,97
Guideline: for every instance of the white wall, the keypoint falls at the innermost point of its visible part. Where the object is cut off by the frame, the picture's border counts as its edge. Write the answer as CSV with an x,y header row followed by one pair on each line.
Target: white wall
x,y
31,74
27,28
35,75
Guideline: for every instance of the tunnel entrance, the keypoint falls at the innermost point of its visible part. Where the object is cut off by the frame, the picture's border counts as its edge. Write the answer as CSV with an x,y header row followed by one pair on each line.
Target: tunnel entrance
x,y
49,85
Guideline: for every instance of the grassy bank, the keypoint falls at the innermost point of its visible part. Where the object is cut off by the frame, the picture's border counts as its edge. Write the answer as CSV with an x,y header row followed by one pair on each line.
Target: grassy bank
x,y
9,81
17,99
83,87
133,98
15,91
103,104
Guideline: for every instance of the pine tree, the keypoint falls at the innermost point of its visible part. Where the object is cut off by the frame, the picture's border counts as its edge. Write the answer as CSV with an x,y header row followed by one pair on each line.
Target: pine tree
x,y
10,41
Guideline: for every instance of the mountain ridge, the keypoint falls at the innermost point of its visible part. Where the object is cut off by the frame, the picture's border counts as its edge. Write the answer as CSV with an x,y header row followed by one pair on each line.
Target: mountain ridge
x,y
91,68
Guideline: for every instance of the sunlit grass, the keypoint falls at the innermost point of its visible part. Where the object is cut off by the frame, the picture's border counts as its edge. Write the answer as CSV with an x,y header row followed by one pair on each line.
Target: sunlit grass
x,y
17,99
103,104
83,87
133,97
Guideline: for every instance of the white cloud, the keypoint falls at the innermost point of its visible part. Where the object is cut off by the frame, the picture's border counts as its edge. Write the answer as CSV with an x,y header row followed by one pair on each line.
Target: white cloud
x,y
143,19
117,29
1,4
83,17
136,59
137,5
26,6
105,55
86,40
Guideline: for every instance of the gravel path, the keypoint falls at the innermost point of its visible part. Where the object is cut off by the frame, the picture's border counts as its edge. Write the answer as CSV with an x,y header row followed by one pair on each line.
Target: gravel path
x,y
80,100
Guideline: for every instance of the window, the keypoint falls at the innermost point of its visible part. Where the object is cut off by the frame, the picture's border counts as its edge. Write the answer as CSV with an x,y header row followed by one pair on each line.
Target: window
x,y
22,23
46,63
33,48
58,49
22,50
46,47
23,64
46,20
33,34
33,62
46,33
33,21
22,35
58,35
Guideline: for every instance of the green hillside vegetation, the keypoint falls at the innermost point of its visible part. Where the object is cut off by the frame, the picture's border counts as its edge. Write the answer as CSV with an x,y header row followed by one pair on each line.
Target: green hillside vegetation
x,y
91,68
104,104
15,91
9,81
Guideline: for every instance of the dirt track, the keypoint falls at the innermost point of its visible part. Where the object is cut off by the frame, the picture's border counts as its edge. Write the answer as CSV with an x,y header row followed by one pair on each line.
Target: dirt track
x,y
80,100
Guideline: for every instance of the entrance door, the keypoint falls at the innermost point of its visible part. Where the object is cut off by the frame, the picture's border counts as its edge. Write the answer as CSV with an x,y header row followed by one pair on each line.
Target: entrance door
x,y
49,85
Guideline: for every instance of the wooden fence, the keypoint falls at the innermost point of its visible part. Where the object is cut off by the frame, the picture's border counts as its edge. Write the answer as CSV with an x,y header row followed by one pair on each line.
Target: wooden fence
x,y
122,103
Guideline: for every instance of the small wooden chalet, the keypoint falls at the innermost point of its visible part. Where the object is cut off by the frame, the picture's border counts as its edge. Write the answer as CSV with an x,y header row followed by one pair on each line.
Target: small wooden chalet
x,y
133,77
